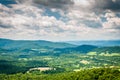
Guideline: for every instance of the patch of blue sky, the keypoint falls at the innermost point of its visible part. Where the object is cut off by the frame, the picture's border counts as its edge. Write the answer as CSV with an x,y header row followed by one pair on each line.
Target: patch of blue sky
x,y
7,2
103,19
50,13
92,24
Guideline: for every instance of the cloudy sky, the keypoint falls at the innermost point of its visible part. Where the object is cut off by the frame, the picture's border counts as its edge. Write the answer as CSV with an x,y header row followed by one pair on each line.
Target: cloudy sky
x,y
60,20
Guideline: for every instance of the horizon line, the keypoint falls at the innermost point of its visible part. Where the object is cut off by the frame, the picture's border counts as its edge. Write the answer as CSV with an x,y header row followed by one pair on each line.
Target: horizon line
x,y
59,40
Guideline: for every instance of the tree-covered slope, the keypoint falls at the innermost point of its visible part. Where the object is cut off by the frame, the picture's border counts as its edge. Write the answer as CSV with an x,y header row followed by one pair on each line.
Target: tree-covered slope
x,y
80,49
113,49
90,48
91,74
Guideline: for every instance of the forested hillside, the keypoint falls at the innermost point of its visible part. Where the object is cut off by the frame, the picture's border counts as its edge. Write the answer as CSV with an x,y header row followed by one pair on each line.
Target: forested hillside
x,y
114,49
92,74
24,60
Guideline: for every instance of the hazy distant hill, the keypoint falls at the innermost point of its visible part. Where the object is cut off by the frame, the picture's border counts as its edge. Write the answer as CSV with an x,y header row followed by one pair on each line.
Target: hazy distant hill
x,y
81,49
16,44
96,43
37,46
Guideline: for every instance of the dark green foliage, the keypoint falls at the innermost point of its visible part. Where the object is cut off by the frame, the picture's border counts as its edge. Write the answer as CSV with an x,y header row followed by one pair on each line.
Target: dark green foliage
x,y
36,63
91,74
57,70
88,48
114,49
12,67
85,48
80,49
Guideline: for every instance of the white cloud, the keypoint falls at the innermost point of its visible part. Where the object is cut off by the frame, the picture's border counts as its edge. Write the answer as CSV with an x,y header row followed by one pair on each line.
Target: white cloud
x,y
26,21
112,23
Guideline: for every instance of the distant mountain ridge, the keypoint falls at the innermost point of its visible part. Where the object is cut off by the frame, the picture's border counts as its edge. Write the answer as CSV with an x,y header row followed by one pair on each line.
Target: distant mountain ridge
x,y
41,47
96,43
12,44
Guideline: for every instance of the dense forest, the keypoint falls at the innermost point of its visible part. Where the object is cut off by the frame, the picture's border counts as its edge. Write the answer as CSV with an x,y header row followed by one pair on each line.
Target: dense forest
x,y
92,74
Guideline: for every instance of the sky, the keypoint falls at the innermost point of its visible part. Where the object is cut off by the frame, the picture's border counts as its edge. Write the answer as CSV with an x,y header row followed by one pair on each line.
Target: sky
x,y
60,20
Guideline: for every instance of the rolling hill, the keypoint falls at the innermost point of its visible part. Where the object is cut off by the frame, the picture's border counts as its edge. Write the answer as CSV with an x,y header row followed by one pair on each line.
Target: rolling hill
x,y
41,47
29,44
80,49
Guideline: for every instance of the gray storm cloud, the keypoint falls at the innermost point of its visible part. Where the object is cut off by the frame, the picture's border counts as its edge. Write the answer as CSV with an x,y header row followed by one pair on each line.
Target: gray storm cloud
x,y
113,5
61,4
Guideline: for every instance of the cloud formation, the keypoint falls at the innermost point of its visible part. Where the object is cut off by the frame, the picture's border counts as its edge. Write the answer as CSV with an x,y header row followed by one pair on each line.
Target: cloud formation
x,y
113,5
60,4
49,19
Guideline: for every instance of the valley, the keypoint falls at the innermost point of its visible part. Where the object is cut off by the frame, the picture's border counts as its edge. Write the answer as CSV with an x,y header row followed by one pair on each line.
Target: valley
x,y
46,60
